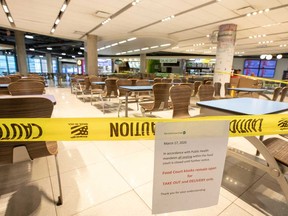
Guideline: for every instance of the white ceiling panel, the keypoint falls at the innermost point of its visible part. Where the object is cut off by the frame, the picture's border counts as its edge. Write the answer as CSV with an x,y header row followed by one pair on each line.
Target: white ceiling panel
x,y
193,21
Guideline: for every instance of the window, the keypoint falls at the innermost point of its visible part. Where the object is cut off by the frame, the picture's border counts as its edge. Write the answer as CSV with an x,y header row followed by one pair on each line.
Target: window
x,y
11,64
3,65
44,65
54,66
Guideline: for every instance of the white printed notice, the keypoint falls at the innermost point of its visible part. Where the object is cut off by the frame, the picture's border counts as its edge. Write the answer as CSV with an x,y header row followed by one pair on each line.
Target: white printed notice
x,y
189,163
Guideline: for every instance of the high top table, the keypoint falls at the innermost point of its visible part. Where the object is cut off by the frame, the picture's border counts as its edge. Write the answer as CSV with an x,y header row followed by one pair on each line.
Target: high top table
x,y
243,106
251,91
129,89
250,106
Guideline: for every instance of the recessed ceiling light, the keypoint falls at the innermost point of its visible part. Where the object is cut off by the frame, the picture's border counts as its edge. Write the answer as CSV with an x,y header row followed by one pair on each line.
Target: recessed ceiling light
x,y
29,36
64,6
121,42
80,53
31,49
63,53
10,19
82,48
57,21
131,39
153,47
5,8
49,48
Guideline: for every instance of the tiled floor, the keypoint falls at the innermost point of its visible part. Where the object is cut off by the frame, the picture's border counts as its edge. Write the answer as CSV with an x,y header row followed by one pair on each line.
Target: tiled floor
x,y
107,178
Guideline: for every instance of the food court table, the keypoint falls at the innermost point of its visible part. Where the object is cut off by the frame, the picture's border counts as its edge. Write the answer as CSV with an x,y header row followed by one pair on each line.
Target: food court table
x,y
251,91
243,106
250,106
129,89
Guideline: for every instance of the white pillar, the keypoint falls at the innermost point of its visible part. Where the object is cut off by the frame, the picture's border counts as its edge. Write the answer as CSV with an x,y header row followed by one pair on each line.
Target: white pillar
x,y
92,55
225,54
49,63
21,52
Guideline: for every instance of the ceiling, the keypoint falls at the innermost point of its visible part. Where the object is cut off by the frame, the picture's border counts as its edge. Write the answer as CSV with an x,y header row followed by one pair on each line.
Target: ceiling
x,y
186,33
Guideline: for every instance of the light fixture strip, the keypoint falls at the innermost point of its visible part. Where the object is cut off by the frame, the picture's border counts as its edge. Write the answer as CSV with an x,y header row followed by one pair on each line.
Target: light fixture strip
x,y
137,50
58,18
7,12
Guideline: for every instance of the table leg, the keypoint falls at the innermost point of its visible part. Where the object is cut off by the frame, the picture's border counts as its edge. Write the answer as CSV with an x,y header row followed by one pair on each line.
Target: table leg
x,y
126,103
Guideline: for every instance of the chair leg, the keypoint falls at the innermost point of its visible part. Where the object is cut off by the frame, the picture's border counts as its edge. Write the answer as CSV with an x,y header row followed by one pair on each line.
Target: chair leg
x,y
60,197
119,107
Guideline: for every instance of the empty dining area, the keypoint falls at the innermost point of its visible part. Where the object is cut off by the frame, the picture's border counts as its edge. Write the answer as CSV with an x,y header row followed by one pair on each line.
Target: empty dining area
x,y
116,177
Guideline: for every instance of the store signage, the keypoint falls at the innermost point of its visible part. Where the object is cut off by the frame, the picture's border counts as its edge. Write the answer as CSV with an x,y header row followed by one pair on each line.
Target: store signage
x,y
79,62
118,61
169,60
189,163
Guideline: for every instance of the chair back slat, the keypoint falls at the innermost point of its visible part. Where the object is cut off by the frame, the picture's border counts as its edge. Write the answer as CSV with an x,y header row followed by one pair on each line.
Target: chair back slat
x,y
180,96
111,87
123,82
276,93
161,95
283,93
206,92
26,88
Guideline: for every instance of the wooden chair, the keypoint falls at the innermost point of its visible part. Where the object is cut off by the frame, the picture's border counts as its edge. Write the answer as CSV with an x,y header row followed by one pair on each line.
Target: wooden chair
x,y
111,89
283,93
81,91
176,80
26,88
191,85
161,99
209,82
180,97
74,83
14,78
196,87
96,79
4,90
28,108
5,80
217,88
278,148
206,92
166,80
227,91
183,80
31,79
157,80
144,96
96,91
276,93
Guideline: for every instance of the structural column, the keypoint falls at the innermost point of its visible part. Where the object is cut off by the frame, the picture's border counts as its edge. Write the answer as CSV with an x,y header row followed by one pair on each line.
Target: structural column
x,y
49,63
92,55
143,63
21,53
225,54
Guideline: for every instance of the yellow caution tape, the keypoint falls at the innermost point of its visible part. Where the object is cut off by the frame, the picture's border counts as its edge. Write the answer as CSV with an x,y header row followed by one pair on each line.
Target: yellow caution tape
x,y
252,77
75,129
